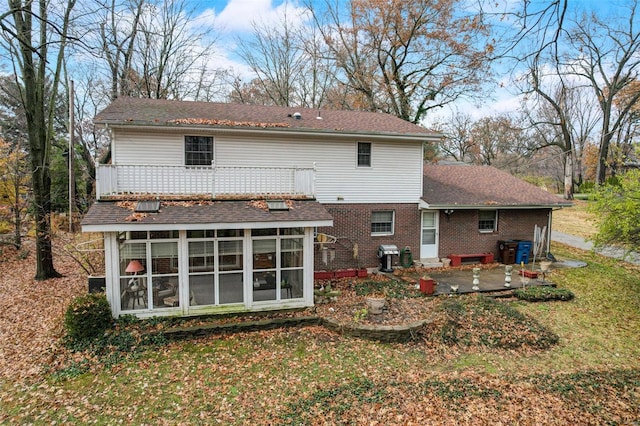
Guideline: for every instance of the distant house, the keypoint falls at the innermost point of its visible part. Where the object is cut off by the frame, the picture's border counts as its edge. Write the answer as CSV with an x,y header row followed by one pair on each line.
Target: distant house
x,y
211,208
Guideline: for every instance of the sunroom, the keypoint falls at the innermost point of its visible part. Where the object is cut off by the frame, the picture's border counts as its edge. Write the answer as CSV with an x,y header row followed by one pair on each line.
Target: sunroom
x,y
195,258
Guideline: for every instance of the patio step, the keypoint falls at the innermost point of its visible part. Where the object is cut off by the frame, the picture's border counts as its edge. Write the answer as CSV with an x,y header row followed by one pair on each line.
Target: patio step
x,y
429,263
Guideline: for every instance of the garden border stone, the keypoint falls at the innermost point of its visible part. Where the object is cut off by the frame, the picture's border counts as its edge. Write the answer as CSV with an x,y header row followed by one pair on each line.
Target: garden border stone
x,y
383,333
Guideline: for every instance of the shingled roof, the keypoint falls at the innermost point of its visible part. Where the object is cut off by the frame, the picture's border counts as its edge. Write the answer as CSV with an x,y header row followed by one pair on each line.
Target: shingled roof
x,y
103,215
462,185
153,112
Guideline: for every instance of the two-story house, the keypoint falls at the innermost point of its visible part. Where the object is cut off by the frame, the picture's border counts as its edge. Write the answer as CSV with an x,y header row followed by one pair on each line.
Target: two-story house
x,y
209,207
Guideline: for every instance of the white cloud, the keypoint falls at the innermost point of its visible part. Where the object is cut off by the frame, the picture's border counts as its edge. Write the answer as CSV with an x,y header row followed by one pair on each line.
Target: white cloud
x,y
236,18
239,15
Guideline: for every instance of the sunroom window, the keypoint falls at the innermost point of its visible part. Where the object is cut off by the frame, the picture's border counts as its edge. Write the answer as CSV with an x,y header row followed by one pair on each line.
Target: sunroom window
x,y
216,263
278,264
149,271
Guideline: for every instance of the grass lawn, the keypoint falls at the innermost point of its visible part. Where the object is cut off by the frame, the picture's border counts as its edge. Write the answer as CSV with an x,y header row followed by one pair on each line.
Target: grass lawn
x,y
575,220
314,376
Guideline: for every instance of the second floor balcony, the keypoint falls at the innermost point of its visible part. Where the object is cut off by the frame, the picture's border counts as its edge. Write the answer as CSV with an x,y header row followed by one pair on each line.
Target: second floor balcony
x,y
214,182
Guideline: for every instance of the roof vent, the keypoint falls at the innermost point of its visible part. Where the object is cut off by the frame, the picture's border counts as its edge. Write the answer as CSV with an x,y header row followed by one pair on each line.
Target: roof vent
x,y
297,115
275,205
147,207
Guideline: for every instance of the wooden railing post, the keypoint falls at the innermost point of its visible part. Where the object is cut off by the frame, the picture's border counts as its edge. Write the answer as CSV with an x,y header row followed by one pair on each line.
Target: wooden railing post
x,y
213,179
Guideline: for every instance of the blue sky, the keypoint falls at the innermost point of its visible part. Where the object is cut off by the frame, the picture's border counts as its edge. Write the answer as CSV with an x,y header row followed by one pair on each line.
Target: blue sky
x,y
233,18
236,16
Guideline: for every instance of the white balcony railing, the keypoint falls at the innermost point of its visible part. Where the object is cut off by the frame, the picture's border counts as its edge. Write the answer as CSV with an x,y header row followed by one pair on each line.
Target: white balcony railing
x,y
214,181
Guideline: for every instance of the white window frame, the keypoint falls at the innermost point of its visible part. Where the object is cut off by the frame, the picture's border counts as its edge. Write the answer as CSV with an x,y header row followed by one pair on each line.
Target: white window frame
x,y
393,223
358,155
495,221
150,276
278,270
216,270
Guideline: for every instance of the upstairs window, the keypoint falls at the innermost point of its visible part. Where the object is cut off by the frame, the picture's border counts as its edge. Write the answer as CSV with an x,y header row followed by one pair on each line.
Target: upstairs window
x,y
382,222
198,150
364,154
487,220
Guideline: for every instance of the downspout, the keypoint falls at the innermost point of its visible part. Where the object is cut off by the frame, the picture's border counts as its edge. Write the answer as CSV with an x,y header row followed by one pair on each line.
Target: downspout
x,y
549,223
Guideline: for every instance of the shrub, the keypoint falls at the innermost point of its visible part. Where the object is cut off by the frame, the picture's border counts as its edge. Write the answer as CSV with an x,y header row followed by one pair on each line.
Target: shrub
x,y
543,293
88,316
612,181
393,289
587,187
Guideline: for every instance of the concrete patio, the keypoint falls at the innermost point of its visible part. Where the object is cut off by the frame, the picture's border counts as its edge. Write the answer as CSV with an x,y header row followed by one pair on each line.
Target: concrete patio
x,y
492,277
490,280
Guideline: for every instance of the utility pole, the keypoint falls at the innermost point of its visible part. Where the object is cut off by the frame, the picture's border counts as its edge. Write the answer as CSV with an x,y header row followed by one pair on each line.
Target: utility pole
x,y
72,180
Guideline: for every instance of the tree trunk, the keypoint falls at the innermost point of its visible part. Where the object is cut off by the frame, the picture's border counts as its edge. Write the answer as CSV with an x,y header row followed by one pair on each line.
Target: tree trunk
x,y
568,175
33,74
42,207
17,235
17,213
603,154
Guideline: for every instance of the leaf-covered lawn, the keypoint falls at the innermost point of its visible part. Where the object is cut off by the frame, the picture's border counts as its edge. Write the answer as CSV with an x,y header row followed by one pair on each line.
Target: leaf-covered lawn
x,y
313,376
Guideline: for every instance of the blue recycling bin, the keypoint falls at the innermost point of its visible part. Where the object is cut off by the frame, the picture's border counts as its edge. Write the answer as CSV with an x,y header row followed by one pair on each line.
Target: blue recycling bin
x,y
522,254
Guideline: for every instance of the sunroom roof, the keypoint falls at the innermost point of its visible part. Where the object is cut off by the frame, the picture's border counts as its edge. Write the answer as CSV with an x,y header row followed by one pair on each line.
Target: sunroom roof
x,y
114,216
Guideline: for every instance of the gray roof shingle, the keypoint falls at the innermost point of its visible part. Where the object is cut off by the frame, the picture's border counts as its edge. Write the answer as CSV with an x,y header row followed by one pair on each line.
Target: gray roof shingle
x,y
462,185
154,112
231,212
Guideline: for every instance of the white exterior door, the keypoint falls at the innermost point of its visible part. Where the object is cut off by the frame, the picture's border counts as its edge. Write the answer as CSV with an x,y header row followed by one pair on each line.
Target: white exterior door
x,y
429,235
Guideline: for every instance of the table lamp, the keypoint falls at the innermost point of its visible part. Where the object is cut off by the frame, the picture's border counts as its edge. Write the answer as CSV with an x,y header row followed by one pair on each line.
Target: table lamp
x,y
134,266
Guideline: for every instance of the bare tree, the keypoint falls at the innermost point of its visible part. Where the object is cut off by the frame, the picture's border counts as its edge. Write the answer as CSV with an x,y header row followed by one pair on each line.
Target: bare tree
x,y
118,29
289,65
171,51
30,29
155,49
319,70
406,58
552,122
275,59
252,92
91,142
497,141
602,54
609,61
457,142
533,28
582,112
562,115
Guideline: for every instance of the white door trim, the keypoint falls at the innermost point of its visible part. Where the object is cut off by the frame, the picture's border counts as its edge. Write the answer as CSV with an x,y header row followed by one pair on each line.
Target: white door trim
x,y
429,251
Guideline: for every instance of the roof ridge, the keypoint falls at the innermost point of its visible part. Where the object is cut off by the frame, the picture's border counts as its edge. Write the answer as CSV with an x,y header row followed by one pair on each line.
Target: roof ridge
x,y
163,112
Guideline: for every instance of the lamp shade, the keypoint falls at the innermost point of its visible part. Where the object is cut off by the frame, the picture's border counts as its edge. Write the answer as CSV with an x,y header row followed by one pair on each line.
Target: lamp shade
x,y
134,266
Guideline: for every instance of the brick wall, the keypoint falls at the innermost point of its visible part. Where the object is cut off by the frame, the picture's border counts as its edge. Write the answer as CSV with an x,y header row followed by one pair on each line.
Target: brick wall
x,y
352,224
459,233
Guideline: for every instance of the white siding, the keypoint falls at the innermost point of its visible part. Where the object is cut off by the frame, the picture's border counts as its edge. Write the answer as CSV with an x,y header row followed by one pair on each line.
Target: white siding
x,y
148,148
395,175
